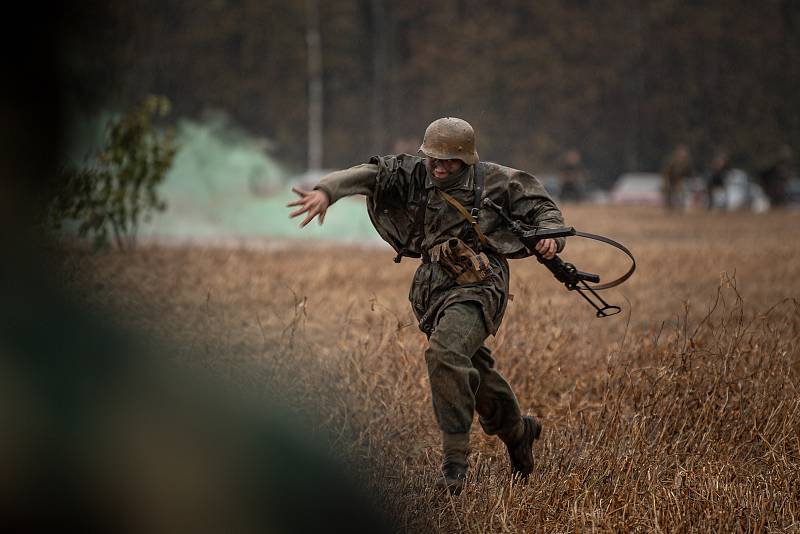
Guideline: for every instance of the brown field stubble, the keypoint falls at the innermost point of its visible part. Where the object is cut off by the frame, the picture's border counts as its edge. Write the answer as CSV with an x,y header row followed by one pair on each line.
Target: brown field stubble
x,y
680,414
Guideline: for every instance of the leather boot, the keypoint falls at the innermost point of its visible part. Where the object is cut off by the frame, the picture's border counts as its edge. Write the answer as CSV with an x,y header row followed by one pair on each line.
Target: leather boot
x,y
454,464
519,442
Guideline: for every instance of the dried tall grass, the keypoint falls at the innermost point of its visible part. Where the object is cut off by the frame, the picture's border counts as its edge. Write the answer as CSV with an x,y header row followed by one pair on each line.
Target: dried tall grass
x,y
681,414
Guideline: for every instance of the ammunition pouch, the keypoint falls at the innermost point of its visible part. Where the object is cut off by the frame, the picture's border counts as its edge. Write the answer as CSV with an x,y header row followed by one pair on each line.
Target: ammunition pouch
x,y
461,262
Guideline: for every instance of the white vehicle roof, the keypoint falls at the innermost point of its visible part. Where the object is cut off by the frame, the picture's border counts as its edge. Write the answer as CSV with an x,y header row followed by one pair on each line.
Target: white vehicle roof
x,y
638,181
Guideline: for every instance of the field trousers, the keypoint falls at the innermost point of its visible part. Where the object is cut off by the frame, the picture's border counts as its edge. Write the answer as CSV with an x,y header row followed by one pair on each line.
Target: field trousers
x,y
462,375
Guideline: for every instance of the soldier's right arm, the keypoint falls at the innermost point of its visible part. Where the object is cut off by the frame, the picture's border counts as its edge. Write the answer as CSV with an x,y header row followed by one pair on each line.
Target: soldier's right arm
x,y
358,180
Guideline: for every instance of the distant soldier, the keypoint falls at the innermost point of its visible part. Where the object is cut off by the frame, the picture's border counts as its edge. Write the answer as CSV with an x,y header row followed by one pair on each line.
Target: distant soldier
x,y
572,176
676,170
429,207
774,177
715,186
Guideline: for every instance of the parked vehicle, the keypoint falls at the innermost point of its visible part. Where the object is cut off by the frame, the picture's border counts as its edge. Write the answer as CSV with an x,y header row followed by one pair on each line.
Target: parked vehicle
x,y
638,188
739,192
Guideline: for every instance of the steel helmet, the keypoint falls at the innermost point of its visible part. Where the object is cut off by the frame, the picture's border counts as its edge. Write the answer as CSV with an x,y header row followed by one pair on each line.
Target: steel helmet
x,y
450,138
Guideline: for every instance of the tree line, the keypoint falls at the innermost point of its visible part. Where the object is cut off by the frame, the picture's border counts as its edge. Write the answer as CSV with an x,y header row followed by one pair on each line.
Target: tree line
x,y
622,81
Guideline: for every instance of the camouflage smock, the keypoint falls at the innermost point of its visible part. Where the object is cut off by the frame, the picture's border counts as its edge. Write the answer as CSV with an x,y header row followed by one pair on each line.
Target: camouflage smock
x,y
396,185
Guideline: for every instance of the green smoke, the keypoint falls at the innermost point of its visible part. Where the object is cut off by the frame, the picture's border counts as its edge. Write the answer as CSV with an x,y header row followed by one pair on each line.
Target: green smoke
x,y
227,184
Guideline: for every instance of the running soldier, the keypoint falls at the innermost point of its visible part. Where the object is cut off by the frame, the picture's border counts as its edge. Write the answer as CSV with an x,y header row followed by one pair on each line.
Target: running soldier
x,y
429,208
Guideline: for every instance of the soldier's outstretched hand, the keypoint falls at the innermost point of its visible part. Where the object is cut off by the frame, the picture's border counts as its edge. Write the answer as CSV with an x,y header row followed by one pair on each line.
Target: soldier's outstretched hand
x,y
315,203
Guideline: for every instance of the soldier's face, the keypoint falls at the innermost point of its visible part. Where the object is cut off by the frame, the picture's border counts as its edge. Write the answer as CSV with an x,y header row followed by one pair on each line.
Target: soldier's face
x,y
442,168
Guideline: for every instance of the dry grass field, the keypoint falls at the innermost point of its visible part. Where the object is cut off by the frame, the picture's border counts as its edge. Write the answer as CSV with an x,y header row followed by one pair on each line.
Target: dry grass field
x,y
680,414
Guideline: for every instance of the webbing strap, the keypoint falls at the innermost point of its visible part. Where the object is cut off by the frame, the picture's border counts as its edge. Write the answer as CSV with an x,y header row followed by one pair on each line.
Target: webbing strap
x,y
478,190
464,213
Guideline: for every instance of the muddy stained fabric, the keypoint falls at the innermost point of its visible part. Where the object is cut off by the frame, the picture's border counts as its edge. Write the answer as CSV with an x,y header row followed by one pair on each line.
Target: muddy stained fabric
x,y
433,290
463,378
457,318
397,186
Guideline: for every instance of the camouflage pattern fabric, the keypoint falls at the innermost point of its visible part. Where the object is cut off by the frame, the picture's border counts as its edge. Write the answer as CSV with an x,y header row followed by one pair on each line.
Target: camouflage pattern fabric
x,y
397,185
456,317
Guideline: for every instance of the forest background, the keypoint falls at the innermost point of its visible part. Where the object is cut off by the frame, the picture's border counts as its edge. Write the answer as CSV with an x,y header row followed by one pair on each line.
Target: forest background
x,y
621,81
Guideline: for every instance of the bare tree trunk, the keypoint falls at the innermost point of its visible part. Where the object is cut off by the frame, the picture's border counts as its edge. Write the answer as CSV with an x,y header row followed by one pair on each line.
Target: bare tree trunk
x,y
379,60
635,91
315,92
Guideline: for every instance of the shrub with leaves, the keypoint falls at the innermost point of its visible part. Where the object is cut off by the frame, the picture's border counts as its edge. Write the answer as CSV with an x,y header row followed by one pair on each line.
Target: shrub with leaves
x,y
117,187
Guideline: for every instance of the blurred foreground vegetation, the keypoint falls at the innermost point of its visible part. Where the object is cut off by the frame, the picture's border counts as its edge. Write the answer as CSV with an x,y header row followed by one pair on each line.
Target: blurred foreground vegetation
x,y
113,191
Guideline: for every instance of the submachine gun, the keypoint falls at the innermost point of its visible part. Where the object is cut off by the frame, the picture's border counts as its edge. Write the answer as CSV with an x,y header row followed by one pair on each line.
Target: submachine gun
x,y
565,272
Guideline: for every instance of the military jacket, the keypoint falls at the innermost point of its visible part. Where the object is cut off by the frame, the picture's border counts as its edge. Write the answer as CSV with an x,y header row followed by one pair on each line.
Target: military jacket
x,y
397,186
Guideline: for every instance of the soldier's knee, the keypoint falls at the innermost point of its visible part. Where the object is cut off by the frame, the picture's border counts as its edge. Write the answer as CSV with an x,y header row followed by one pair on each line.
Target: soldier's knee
x,y
451,372
442,353
448,350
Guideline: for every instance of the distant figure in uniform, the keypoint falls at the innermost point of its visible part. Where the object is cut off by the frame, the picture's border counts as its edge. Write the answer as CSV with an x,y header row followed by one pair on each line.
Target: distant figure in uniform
x,y
572,176
775,176
715,186
676,170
